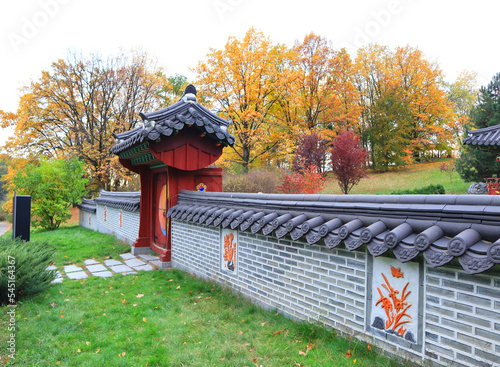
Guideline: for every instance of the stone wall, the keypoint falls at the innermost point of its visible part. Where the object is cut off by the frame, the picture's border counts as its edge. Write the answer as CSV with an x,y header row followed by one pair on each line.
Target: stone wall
x,y
456,315
120,223
115,213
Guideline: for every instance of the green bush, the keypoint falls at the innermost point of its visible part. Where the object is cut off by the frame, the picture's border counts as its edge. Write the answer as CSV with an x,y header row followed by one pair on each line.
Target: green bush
x,y
25,263
426,190
252,181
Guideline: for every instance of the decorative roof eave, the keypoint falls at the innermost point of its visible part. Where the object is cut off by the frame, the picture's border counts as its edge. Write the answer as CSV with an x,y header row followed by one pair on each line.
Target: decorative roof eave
x,y
488,136
88,205
185,113
441,227
129,201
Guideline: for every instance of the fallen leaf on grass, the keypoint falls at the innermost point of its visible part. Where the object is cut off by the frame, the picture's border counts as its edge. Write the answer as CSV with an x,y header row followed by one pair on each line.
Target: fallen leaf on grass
x,y
369,347
309,347
144,319
123,300
139,296
53,304
262,324
62,315
279,332
240,332
348,354
98,350
79,351
178,287
88,343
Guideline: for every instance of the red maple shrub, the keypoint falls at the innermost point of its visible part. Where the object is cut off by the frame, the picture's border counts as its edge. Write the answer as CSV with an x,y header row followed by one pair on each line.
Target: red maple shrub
x,y
309,181
348,160
311,151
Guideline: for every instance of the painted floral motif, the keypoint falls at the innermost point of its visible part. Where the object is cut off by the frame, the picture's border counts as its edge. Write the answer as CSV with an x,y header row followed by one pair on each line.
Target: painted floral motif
x,y
229,251
395,307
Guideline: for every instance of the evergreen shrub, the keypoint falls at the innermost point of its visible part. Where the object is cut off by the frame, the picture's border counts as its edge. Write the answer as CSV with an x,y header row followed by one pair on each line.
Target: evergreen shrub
x,y
26,263
426,190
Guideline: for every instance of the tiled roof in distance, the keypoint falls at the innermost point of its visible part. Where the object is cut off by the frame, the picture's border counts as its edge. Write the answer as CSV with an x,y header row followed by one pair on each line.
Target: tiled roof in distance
x,y
487,136
129,201
440,227
186,112
88,205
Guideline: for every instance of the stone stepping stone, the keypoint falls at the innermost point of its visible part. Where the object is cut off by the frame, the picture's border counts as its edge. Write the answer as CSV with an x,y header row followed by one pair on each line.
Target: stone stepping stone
x,y
90,262
103,274
112,262
149,258
121,269
127,256
145,267
96,268
51,267
57,280
134,262
77,275
71,269
129,272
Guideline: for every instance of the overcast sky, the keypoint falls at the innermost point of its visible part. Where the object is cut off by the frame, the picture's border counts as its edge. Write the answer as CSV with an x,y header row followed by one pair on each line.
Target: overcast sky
x,y
457,34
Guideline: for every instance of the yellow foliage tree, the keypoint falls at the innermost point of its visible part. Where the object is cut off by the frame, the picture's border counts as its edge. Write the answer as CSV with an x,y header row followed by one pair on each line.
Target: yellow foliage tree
x,y
73,110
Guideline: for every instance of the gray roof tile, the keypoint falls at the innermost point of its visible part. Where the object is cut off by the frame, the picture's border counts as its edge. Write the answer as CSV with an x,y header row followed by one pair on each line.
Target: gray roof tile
x,y
441,228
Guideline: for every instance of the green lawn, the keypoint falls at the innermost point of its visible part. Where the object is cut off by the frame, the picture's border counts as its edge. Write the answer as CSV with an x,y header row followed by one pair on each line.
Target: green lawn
x,y
75,244
412,177
161,318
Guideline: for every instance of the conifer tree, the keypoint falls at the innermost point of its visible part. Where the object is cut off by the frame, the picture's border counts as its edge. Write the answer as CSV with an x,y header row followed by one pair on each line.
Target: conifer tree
x,y
477,163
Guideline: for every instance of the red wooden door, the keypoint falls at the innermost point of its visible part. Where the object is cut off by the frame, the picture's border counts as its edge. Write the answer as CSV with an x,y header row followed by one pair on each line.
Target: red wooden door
x,y
161,205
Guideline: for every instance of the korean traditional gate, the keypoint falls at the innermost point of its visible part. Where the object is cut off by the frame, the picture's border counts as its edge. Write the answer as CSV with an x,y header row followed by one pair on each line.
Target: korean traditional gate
x,y
172,150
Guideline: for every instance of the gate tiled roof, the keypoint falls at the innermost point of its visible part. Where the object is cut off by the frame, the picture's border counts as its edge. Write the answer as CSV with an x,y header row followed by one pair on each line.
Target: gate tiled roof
x,y
186,112
441,228
487,136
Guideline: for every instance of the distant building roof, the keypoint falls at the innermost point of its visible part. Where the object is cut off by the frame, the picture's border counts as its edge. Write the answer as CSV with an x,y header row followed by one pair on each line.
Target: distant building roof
x,y
488,136
186,112
88,205
129,201
440,227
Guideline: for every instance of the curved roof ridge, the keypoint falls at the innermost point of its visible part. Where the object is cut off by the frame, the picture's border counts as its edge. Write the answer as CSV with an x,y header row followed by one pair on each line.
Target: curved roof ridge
x,y
441,227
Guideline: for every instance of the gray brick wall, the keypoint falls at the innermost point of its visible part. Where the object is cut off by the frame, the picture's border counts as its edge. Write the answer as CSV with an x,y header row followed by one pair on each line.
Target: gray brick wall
x,y
462,317
88,220
129,229
461,312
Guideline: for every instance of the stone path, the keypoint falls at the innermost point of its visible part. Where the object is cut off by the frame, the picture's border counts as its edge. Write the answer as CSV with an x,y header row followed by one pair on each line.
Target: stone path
x,y
129,264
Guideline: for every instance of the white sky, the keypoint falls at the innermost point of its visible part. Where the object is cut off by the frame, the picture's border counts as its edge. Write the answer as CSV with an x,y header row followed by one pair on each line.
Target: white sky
x,y
458,34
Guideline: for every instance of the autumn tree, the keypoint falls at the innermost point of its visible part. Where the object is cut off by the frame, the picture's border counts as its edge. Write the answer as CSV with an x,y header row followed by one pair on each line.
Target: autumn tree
x,y
349,160
462,93
326,92
73,110
240,81
403,105
311,151
477,163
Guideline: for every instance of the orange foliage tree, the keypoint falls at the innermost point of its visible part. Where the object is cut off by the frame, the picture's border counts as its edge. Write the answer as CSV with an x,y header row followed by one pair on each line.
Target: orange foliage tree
x,y
73,110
